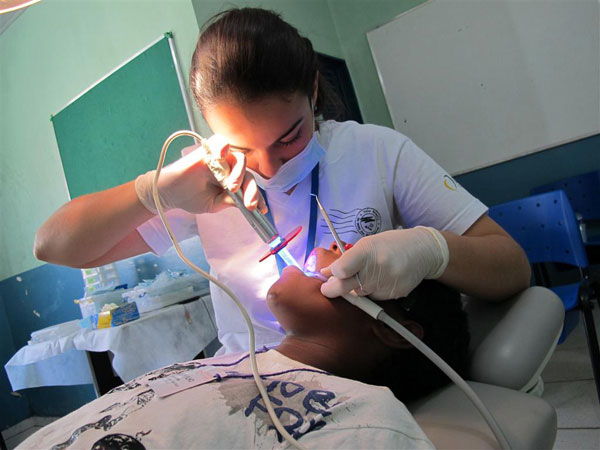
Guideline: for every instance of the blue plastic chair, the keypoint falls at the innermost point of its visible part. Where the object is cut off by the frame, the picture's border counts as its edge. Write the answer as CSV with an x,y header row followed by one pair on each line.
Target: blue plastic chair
x,y
546,227
583,191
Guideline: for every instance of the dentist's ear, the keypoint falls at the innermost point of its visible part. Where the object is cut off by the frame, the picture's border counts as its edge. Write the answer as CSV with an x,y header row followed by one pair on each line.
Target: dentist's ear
x,y
392,339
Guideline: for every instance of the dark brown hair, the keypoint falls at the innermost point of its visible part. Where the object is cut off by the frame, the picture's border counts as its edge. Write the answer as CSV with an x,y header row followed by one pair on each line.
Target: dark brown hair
x,y
249,53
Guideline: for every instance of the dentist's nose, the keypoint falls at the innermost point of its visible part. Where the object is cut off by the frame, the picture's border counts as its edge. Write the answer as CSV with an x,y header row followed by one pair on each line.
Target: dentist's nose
x,y
267,163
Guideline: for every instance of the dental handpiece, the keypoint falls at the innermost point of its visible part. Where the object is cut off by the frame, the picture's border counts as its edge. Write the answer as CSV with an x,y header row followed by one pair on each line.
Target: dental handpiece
x,y
255,218
258,221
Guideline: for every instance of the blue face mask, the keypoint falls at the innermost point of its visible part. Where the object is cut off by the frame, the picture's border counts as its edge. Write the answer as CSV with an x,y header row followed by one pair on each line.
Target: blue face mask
x,y
295,170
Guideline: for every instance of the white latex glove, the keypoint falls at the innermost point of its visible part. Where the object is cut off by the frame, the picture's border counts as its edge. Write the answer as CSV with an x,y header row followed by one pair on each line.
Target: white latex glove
x,y
389,264
189,184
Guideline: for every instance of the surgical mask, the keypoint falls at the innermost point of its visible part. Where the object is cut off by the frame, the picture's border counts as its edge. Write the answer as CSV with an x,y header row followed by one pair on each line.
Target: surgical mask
x,y
293,171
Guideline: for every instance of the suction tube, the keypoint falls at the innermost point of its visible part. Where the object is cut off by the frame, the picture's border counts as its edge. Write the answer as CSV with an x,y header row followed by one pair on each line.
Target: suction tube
x,y
378,313
450,372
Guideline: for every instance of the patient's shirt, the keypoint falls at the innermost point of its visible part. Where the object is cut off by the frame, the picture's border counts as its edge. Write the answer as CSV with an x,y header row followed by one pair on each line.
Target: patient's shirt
x,y
226,412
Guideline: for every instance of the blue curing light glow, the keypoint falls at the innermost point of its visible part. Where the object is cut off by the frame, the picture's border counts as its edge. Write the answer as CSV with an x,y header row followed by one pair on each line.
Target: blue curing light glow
x,y
275,242
284,253
288,258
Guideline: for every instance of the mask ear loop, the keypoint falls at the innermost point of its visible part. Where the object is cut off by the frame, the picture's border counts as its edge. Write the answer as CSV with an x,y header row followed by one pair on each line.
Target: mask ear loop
x,y
312,110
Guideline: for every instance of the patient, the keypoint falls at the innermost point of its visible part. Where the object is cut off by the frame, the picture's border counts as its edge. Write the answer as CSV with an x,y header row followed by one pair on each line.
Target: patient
x,y
338,337
316,380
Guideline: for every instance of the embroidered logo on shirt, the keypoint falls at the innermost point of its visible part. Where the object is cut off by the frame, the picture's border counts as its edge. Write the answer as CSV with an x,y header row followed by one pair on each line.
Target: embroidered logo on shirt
x,y
367,221
449,183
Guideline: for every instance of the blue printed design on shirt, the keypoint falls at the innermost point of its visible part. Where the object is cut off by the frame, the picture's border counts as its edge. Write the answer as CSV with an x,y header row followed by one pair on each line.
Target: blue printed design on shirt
x,y
301,406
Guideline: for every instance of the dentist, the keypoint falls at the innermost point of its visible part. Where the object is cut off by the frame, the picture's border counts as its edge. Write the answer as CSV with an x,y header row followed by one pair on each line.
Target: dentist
x,y
257,83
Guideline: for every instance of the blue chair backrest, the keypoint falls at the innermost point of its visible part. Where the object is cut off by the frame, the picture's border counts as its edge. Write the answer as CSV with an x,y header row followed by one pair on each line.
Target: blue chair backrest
x,y
582,190
545,226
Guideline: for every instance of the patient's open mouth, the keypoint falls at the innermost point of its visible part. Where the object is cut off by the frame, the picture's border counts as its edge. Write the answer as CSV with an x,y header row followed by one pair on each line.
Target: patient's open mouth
x,y
316,275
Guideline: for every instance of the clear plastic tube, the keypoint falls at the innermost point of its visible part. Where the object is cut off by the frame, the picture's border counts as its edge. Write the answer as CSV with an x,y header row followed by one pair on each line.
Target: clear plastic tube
x,y
251,338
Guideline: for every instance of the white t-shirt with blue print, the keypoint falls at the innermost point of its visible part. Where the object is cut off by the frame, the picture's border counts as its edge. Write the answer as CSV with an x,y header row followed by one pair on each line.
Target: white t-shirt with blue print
x,y
317,409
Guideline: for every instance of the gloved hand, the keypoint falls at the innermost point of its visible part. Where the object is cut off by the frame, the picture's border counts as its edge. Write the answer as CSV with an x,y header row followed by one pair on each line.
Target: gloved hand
x,y
189,184
389,264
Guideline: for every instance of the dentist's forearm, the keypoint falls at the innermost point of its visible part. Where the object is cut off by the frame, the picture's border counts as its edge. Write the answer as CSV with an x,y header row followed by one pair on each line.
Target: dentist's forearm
x,y
488,266
88,227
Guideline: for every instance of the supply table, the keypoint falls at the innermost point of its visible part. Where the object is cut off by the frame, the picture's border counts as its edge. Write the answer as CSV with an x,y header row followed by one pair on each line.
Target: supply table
x,y
158,338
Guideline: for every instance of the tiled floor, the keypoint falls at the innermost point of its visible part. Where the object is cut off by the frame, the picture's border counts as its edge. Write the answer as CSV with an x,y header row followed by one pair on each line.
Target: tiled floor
x,y
569,387
17,434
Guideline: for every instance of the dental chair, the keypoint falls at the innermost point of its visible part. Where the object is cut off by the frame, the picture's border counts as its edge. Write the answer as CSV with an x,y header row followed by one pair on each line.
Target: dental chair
x,y
511,343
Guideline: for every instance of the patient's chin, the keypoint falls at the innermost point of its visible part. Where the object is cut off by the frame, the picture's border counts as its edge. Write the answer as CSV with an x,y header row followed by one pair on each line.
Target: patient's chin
x,y
291,279
280,300
273,296
281,291
291,291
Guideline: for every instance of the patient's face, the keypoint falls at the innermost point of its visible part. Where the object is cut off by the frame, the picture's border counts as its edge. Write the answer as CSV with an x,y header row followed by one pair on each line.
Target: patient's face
x,y
296,299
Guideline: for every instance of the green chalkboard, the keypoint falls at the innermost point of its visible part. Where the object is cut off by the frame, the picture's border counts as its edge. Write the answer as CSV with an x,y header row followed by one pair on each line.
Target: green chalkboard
x,y
114,131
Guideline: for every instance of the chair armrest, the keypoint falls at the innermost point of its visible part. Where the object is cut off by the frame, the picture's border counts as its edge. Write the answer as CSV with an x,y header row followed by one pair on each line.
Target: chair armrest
x,y
451,421
512,341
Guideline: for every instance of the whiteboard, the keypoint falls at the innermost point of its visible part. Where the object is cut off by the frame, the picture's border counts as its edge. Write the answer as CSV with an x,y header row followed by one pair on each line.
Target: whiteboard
x,y
478,82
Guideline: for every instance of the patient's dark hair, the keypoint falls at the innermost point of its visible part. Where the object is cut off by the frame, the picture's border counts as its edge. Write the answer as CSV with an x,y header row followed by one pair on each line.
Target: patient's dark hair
x,y
438,308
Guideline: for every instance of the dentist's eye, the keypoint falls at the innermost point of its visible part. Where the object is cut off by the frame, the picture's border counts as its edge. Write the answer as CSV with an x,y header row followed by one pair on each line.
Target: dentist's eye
x,y
290,141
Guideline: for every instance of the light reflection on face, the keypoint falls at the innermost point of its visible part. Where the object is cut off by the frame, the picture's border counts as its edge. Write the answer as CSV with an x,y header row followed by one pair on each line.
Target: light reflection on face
x,y
310,264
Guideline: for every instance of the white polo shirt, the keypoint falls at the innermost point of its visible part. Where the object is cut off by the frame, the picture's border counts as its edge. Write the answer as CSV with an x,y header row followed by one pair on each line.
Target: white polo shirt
x,y
371,179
